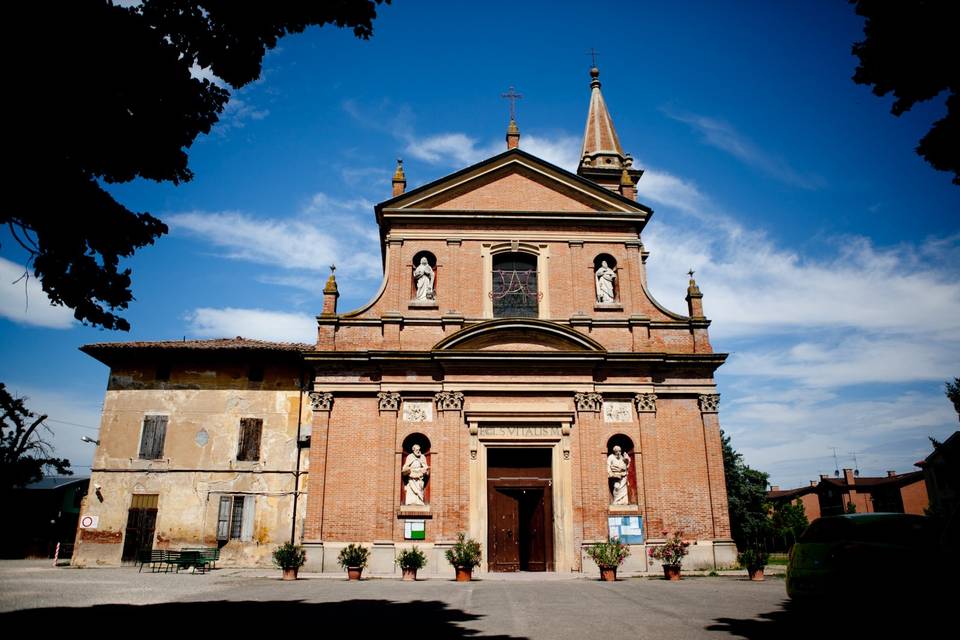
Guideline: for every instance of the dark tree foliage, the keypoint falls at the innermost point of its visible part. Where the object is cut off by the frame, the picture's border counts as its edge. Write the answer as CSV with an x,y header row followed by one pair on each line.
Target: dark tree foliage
x,y
746,498
788,520
912,48
104,94
24,454
953,393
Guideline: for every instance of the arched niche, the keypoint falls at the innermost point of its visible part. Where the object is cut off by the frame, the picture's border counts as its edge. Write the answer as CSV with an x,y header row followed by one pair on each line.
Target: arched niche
x,y
430,292
626,447
606,274
408,465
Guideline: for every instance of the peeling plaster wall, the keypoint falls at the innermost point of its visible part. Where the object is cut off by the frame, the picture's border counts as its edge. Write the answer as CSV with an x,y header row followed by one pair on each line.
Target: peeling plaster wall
x,y
199,461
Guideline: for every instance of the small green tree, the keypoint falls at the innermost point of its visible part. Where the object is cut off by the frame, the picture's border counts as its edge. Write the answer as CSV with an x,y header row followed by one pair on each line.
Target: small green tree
x,y
788,520
746,498
24,454
851,508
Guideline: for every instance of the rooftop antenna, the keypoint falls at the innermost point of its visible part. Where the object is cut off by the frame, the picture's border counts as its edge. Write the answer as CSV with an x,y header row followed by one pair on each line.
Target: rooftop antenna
x,y
856,467
836,463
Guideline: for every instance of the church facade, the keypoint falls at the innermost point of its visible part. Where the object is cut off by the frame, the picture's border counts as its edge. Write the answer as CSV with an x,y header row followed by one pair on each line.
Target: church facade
x,y
512,379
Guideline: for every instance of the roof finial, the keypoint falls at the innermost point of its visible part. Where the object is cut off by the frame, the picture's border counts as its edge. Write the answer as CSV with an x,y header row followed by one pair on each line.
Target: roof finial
x,y
399,179
513,131
690,273
594,71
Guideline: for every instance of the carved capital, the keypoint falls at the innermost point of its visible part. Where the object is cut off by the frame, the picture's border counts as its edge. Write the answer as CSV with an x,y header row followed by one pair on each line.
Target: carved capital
x,y
449,400
321,400
389,400
591,401
710,402
646,402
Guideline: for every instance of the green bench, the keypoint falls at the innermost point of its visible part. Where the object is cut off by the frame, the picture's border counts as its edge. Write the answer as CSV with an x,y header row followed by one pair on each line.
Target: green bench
x,y
201,559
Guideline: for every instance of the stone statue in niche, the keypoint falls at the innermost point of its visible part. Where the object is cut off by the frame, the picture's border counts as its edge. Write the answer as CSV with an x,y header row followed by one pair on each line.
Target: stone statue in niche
x,y
605,277
618,464
415,470
423,275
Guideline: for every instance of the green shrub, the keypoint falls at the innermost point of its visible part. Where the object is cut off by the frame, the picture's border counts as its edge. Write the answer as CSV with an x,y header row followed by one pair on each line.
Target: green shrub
x,y
289,556
411,558
464,553
753,558
353,555
609,554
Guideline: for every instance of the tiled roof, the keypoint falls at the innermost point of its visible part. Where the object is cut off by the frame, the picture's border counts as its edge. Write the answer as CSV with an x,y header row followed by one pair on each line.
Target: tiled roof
x,y
238,343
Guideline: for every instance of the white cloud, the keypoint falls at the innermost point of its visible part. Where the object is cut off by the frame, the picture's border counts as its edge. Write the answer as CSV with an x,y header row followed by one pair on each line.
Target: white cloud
x,y
458,149
206,73
823,345
562,150
725,137
851,359
793,438
23,301
754,287
259,324
237,113
322,235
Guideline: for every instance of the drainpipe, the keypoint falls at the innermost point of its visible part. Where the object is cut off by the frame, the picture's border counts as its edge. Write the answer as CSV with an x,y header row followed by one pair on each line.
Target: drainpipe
x,y
296,476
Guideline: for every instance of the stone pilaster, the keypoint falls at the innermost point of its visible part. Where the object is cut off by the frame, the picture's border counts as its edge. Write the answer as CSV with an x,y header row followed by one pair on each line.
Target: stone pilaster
x,y
709,408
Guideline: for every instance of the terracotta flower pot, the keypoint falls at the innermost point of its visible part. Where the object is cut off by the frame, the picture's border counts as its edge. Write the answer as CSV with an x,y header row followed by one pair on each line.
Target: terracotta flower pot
x,y
671,572
756,573
464,574
409,575
290,574
353,573
608,574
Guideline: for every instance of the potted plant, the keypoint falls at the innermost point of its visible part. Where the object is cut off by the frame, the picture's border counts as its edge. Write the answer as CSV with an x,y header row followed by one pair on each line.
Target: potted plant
x,y
353,558
410,561
671,553
754,560
289,557
464,555
608,555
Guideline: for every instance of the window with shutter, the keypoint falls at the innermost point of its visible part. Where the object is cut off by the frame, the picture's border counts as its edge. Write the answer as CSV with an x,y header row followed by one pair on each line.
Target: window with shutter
x,y
153,436
235,518
248,447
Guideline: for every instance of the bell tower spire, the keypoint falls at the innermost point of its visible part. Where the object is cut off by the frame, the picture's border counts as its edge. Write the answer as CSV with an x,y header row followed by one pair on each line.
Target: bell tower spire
x,y
602,158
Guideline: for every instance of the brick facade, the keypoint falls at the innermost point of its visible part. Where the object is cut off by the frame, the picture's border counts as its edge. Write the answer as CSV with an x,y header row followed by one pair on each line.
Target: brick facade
x,y
466,382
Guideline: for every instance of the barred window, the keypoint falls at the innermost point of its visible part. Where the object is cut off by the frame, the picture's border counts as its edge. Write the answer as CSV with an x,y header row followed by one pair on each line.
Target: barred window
x,y
248,447
515,292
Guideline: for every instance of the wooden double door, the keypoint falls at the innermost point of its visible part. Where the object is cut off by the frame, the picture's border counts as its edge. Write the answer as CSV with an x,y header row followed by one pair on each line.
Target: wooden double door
x,y
520,511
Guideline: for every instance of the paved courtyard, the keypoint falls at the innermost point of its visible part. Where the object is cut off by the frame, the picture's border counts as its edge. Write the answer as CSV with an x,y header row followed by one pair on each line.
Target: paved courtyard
x,y
526,606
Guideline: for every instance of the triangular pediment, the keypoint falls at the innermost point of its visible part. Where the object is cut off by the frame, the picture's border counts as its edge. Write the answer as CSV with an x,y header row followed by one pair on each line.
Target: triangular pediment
x,y
518,334
514,181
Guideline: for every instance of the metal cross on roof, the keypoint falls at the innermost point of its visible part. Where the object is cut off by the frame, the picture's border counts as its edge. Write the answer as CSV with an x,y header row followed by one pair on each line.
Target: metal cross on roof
x,y
512,96
690,272
593,56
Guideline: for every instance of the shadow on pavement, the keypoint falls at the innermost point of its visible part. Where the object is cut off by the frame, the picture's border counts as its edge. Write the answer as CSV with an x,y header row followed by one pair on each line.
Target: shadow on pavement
x,y
429,619
898,614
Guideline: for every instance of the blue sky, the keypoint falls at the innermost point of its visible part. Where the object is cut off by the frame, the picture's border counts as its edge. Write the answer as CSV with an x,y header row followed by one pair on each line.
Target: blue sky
x,y
825,247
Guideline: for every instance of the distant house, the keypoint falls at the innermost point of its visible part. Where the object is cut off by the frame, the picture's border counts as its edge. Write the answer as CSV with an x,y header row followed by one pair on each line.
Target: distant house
x,y
941,471
41,515
893,493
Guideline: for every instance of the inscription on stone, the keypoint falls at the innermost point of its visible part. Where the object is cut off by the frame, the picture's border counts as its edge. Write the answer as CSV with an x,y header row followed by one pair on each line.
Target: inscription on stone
x,y
519,431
